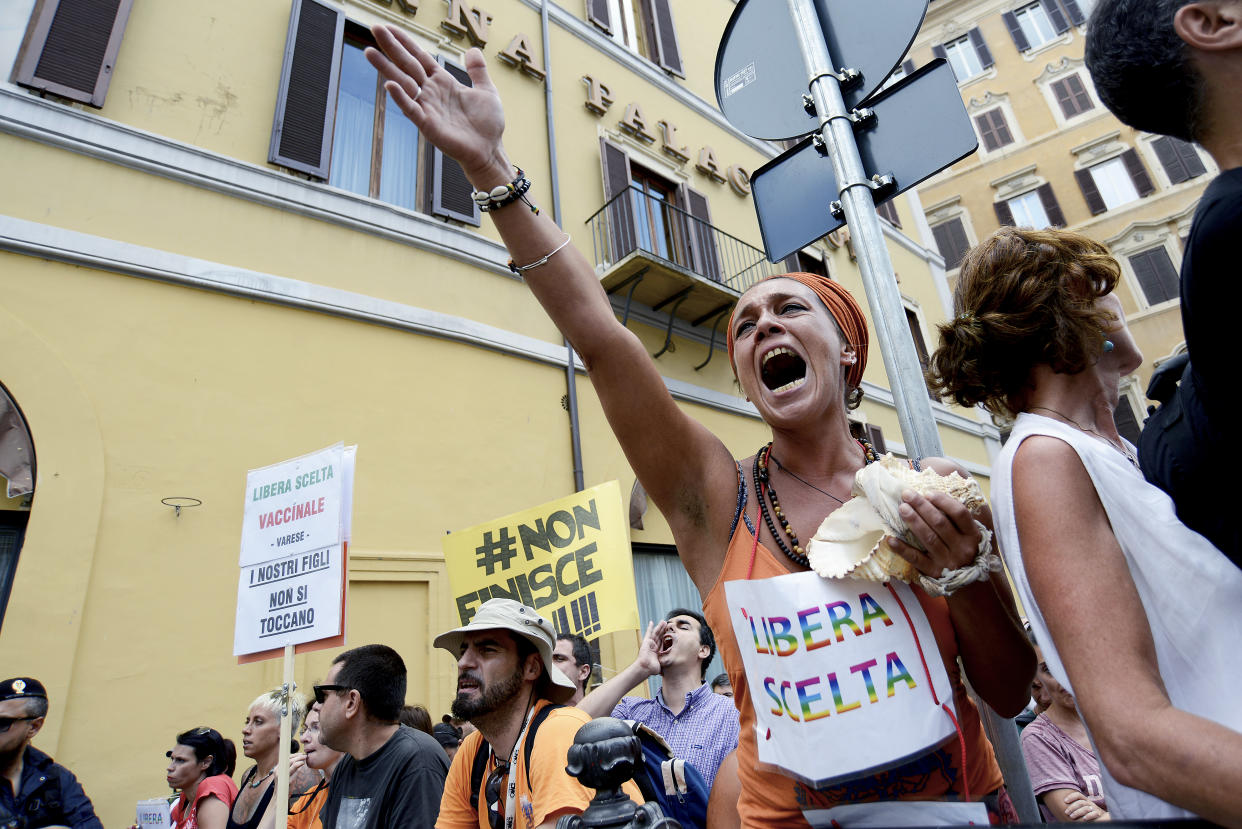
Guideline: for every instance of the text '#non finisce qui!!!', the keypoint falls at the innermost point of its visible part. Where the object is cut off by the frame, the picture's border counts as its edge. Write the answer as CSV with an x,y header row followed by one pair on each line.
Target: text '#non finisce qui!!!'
x,y
849,686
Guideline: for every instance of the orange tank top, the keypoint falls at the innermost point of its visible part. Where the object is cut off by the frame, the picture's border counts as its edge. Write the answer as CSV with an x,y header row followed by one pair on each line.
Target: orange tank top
x,y
770,799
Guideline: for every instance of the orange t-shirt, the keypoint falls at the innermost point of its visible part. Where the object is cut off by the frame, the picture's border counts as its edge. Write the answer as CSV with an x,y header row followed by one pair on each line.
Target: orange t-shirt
x,y
304,811
542,791
771,799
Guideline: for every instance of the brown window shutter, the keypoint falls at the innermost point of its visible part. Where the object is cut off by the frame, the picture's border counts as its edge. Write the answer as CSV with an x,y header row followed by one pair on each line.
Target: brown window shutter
x,y
993,129
1015,31
1170,160
71,46
1189,157
888,211
620,207
1078,92
1074,12
599,15
938,51
450,190
981,48
1055,16
951,241
1156,275
1004,214
1095,202
1051,206
306,99
706,259
1138,173
664,49
875,436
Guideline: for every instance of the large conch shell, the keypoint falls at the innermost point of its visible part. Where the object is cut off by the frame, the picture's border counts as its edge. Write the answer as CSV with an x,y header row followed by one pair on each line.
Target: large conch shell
x,y
850,542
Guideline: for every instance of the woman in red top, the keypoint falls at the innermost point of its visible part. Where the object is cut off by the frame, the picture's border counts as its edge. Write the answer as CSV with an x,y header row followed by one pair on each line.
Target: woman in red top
x,y
200,766
798,347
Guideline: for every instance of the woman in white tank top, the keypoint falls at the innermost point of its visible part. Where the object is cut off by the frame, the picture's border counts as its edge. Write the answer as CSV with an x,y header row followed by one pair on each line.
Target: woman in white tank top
x,y
1140,616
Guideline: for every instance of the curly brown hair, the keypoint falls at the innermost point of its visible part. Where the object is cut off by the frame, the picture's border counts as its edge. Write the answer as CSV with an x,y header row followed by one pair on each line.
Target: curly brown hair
x,y
1024,298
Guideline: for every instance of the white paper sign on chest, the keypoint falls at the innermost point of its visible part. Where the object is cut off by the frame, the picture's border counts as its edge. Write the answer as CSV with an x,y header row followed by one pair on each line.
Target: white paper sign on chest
x,y
845,675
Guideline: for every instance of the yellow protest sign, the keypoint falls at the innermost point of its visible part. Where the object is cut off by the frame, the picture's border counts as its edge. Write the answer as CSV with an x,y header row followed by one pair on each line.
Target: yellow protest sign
x,y
569,559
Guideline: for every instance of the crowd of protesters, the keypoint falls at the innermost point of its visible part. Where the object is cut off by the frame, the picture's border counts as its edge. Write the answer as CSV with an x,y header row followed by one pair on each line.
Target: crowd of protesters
x,y
1127,563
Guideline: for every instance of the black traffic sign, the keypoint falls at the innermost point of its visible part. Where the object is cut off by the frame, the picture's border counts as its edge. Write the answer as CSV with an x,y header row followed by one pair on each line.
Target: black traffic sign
x,y
920,128
760,74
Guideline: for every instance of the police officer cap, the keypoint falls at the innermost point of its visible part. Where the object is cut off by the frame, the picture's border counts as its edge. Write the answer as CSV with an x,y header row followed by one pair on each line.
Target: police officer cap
x,y
22,687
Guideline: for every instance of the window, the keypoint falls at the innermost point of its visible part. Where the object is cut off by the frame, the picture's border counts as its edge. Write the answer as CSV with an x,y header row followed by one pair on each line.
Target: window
x,y
904,69
1028,211
951,241
1115,182
1038,209
920,344
335,122
1127,424
1034,25
888,212
968,55
1156,275
1072,96
1179,159
374,146
662,585
642,26
801,262
70,48
993,129
646,211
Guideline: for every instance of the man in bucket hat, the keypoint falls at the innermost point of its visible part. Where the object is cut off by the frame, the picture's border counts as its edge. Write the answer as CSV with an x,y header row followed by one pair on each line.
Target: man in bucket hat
x,y
511,773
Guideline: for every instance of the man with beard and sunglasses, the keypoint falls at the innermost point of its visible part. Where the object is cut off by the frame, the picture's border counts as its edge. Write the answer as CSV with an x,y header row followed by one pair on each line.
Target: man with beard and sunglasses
x,y
511,773
391,776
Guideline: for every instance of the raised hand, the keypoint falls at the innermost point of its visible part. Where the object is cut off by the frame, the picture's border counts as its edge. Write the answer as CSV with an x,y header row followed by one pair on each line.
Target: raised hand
x,y
649,651
465,123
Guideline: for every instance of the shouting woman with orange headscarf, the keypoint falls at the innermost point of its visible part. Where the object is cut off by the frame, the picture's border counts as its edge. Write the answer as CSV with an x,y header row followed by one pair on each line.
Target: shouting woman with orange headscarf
x,y
799,348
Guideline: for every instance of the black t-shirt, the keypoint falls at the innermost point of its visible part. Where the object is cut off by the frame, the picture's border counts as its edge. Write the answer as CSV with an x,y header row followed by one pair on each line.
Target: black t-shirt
x,y
398,786
1185,441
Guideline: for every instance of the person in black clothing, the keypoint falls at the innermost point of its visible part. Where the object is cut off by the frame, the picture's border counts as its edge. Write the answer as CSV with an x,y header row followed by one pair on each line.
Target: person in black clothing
x,y
34,790
392,775
1174,67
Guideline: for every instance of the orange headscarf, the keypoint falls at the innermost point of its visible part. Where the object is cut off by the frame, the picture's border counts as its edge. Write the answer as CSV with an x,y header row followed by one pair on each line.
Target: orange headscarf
x,y
844,309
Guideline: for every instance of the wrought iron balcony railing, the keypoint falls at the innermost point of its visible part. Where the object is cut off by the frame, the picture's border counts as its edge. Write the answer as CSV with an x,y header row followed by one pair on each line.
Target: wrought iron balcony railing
x,y
634,220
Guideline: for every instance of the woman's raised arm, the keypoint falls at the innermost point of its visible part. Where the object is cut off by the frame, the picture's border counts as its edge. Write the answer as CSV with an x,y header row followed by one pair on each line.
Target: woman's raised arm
x,y
686,470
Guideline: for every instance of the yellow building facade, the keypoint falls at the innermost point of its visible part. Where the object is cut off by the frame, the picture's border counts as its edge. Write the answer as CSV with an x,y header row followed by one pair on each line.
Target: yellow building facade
x,y
1050,154
218,250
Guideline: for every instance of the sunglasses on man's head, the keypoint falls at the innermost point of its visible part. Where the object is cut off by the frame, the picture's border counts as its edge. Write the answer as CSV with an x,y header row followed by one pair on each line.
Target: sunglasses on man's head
x,y
321,691
7,722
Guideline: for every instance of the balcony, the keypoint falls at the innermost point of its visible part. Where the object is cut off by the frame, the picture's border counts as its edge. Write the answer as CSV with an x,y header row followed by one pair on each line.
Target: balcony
x,y
652,252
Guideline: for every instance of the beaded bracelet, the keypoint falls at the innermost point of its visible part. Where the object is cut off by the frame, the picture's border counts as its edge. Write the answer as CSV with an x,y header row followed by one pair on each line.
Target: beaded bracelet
x,y
504,194
521,269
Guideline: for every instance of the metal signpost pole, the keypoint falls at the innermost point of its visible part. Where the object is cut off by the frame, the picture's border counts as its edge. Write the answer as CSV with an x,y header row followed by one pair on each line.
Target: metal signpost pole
x,y
901,361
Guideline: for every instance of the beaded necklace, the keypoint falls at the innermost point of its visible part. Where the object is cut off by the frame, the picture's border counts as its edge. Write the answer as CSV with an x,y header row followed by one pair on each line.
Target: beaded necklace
x,y
763,482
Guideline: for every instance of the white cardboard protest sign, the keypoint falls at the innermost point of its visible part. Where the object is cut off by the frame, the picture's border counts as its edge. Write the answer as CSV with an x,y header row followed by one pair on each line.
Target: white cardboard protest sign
x,y
295,596
293,507
154,814
836,675
289,601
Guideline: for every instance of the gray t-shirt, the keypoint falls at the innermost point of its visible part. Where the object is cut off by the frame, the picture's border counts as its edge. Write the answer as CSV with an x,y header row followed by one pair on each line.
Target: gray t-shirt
x,y
396,787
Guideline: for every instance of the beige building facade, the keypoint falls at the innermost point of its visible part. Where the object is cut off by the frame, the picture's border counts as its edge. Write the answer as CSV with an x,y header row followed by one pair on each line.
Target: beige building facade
x,y
1050,154
220,247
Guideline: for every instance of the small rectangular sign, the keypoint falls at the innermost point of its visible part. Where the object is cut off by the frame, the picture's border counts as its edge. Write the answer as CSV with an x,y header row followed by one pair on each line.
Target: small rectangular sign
x,y
154,814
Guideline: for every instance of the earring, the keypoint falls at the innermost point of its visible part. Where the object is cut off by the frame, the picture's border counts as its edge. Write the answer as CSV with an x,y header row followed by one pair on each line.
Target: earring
x,y
1108,346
